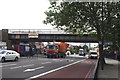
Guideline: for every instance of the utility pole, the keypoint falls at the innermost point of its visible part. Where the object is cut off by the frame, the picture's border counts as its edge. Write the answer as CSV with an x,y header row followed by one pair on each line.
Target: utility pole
x,y
102,53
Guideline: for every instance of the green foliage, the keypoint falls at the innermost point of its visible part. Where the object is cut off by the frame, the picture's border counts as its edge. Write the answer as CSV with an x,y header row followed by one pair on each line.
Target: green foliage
x,y
74,49
85,46
71,50
86,17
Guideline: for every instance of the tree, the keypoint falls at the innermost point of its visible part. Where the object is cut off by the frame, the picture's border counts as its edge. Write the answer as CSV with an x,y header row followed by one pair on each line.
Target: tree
x,y
86,17
74,49
85,47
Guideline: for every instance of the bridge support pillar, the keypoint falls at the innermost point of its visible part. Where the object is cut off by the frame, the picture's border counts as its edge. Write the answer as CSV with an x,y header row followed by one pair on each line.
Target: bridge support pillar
x,y
9,44
5,38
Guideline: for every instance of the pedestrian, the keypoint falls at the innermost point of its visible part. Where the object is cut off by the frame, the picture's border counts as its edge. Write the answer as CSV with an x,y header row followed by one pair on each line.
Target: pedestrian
x,y
33,51
44,51
27,51
30,51
115,52
119,55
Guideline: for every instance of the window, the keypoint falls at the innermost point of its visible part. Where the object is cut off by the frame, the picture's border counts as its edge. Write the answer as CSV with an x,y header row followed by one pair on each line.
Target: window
x,y
8,53
50,47
93,53
2,52
13,53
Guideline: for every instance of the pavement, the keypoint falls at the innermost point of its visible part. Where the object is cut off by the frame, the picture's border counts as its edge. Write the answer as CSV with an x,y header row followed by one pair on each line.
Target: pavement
x,y
111,70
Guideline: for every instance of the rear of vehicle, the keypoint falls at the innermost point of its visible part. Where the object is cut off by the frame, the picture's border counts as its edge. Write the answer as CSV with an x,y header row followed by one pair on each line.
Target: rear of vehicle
x,y
81,52
15,55
94,55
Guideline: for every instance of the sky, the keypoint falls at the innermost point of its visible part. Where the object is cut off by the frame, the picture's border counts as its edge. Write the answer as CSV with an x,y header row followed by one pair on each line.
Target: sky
x,y
24,14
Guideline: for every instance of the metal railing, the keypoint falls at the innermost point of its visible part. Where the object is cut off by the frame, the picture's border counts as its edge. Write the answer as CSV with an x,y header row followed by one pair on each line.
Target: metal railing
x,y
37,31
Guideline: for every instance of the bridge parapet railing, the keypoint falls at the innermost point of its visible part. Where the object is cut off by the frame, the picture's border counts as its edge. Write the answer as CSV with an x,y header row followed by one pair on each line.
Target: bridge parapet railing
x,y
37,31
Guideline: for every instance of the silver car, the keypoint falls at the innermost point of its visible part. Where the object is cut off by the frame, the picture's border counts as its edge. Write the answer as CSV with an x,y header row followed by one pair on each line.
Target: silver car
x,y
9,55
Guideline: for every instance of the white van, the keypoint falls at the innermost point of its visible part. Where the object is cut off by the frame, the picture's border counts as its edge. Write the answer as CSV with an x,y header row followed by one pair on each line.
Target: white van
x,y
81,52
93,54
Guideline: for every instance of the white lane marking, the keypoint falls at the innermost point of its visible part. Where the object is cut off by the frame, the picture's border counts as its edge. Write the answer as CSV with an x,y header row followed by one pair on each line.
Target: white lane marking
x,y
22,66
16,67
28,70
54,70
28,65
55,59
61,60
3,63
45,62
8,65
71,60
68,60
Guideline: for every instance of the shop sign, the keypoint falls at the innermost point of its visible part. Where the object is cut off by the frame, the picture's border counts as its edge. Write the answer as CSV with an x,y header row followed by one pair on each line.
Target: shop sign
x,y
32,35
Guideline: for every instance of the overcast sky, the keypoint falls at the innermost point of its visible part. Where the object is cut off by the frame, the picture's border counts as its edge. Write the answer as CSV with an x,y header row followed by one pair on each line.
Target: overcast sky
x,y
23,14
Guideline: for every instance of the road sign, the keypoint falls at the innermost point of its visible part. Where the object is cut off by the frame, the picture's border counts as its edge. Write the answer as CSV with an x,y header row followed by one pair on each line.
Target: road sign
x,y
108,43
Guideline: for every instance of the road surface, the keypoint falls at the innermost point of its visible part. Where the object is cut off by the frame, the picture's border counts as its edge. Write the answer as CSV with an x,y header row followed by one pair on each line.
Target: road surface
x,y
42,67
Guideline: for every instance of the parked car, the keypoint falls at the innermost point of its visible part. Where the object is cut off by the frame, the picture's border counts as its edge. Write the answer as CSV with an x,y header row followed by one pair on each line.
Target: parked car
x,y
9,55
93,54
